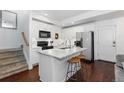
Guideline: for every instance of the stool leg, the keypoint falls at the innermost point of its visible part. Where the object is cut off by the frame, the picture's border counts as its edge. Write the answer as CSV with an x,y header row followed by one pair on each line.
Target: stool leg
x,y
75,68
85,71
71,71
77,71
81,76
78,67
67,72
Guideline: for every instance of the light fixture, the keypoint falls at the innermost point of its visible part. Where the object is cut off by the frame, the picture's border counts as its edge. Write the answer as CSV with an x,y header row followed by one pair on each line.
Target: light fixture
x,y
72,22
63,24
46,14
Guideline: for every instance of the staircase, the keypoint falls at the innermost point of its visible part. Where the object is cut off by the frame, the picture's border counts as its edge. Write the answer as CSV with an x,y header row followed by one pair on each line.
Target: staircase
x,y
12,61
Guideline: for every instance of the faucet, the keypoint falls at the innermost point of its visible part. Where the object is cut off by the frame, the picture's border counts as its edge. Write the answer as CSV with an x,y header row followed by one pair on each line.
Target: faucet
x,y
68,40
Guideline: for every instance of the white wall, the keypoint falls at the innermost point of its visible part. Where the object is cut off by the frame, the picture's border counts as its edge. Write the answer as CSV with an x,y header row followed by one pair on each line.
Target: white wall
x,y
118,22
120,35
12,38
24,26
9,38
70,33
35,26
24,22
92,16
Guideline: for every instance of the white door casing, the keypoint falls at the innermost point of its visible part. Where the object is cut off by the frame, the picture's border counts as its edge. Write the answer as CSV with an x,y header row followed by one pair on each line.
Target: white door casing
x,y
107,43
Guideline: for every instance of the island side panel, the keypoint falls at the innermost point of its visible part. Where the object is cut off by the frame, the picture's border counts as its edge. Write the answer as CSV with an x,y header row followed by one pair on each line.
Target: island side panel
x,y
60,69
53,69
45,68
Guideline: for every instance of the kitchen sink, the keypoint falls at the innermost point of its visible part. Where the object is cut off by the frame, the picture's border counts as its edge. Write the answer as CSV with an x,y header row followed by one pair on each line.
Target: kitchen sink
x,y
65,48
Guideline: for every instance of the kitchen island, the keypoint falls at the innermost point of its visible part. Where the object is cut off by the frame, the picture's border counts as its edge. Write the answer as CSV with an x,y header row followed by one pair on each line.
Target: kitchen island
x,y
53,63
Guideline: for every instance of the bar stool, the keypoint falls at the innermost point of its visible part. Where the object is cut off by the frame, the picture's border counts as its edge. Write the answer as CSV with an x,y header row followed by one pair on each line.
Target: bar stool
x,y
73,67
84,66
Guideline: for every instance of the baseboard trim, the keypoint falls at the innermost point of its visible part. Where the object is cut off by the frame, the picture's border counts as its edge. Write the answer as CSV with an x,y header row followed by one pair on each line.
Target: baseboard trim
x,y
36,64
89,61
106,61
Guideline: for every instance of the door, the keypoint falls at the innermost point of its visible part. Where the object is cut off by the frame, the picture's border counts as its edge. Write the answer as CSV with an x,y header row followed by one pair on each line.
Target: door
x,y
107,43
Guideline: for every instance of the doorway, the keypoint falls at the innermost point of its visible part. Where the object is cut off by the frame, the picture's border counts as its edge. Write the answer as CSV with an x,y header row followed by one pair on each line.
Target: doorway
x,y
107,43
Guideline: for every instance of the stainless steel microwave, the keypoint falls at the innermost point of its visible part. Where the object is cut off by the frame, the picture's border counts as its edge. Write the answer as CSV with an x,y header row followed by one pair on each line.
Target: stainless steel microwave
x,y
44,34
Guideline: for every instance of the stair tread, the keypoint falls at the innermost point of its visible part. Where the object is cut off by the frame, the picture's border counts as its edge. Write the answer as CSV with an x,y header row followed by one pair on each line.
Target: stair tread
x,y
12,60
10,50
12,67
10,55
13,72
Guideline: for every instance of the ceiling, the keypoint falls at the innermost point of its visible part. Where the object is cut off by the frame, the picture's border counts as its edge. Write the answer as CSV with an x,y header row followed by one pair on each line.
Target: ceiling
x,y
78,16
60,15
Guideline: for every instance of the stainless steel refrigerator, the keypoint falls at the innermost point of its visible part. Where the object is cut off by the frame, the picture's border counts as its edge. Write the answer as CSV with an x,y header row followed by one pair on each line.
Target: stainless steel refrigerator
x,y
86,40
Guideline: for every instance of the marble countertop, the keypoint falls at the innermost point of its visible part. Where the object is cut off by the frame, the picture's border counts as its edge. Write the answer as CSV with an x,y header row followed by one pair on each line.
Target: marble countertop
x,y
61,53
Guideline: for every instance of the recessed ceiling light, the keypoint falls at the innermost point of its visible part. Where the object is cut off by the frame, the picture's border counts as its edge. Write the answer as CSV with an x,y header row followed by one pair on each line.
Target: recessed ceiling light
x,y
72,22
46,14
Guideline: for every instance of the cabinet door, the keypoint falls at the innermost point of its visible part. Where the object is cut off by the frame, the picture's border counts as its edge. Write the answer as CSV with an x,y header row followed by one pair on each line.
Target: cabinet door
x,y
107,47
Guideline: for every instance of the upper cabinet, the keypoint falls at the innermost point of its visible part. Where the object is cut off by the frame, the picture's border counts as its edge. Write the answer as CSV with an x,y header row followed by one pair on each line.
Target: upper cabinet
x,y
8,19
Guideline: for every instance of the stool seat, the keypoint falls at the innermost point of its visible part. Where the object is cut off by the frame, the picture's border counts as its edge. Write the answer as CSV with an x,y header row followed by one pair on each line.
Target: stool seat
x,y
81,56
74,60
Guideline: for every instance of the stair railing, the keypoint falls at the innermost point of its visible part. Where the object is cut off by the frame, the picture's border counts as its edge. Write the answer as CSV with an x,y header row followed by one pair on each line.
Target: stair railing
x,y
25,39
25,47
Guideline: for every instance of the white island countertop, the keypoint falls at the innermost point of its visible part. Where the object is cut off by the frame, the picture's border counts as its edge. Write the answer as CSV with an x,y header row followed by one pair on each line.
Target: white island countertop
x,y
61,53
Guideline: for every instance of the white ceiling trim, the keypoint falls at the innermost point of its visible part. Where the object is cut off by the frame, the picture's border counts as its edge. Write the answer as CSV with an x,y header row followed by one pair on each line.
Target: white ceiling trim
x,y
86,17
92,16
39,17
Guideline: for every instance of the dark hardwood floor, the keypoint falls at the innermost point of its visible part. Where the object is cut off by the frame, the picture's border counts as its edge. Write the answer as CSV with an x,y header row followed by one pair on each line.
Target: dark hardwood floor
x,y
99,71
25,76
